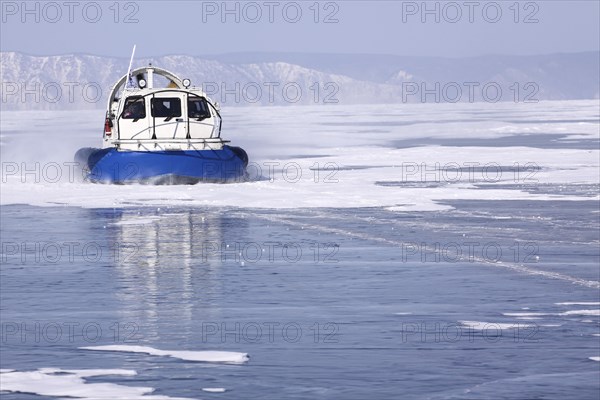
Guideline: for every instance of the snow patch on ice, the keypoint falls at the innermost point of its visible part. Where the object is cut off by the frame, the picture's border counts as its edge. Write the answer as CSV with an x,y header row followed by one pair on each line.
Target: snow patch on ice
x,y
480,326
325,179
214,390
229,357
594,358
525,314
536,315
580,303
581,312
71,383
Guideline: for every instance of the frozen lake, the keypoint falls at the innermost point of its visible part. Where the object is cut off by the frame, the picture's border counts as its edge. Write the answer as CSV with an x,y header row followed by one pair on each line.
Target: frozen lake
x,y
424,251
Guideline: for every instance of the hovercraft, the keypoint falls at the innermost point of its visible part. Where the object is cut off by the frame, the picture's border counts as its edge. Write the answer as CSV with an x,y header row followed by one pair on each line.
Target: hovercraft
x,y
160,130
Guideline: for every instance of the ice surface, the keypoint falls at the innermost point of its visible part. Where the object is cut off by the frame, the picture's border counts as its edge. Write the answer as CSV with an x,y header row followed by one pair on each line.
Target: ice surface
x,y
137,221
169,290
229,357
517,267
71,383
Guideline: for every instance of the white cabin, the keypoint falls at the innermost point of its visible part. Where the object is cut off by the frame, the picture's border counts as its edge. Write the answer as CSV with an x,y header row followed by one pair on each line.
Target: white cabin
x,y
154,110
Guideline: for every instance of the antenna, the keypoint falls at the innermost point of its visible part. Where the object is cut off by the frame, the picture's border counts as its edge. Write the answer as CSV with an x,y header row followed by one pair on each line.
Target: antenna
x,y
130,63
128,81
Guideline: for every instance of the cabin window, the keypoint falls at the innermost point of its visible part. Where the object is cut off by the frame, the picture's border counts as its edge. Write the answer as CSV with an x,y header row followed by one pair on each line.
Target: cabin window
x,y
198,108
135,108
166,107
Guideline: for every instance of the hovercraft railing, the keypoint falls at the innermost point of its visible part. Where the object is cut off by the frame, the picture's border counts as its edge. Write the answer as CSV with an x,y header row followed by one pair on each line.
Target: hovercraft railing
x,y
156,143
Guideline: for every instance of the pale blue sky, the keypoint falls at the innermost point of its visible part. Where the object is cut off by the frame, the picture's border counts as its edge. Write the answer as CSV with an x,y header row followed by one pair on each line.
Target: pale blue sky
x,y
379,27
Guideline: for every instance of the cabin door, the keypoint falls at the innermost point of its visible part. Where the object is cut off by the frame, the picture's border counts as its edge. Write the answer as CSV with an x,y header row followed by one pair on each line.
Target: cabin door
x,y
133,121
201,121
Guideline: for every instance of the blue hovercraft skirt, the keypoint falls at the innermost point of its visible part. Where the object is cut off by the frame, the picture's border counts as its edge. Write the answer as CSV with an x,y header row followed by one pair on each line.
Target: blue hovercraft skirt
x,y
163,167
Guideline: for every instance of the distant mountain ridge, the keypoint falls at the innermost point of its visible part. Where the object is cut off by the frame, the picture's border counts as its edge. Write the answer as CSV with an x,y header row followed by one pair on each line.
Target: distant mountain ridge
x,y
75,81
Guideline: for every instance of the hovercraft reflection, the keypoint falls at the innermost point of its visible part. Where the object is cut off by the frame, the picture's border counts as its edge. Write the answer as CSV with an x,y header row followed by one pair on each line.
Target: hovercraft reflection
x,y
161,134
